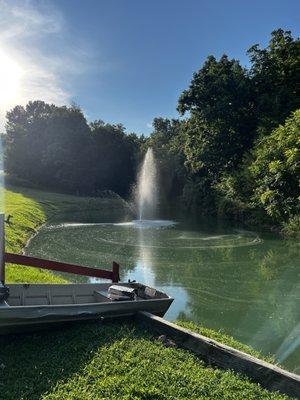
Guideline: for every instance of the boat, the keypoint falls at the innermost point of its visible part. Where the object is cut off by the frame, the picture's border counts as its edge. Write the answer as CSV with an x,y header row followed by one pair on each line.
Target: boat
x,y
36,306
29,307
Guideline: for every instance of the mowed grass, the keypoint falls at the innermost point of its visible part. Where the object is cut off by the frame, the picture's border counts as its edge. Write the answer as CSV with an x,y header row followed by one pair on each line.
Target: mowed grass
x,y
112,361
221,337
27,215
100,360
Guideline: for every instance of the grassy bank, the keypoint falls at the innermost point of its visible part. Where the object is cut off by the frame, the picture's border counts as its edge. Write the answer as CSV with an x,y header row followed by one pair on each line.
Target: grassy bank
x,y
32,208
100,360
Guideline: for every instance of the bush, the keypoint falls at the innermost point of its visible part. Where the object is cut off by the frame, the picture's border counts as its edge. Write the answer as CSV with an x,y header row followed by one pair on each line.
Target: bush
x,y
276,171
291,228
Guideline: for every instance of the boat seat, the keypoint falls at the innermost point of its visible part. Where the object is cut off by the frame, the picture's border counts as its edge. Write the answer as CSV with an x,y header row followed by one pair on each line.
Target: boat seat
x,y
99,297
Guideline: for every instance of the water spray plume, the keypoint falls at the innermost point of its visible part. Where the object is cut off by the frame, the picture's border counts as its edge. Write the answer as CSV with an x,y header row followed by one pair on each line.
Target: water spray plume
x,y
147,187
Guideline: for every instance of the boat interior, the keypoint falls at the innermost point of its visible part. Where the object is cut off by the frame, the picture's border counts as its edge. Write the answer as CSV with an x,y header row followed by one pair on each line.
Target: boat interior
x,y
57,294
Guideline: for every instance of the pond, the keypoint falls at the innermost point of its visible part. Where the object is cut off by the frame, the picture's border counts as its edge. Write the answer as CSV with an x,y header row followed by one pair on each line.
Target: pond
x,y
245,283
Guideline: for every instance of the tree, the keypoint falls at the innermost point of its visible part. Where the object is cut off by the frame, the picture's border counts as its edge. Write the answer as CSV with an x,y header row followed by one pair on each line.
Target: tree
x,y
229,107
167,142
44,145
222,123
276,170
25,139
275,74
112,161
64,157
54,147
221,95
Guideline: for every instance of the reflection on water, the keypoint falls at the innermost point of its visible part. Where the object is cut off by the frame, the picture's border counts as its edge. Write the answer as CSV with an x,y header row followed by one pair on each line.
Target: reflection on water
x,y
239,281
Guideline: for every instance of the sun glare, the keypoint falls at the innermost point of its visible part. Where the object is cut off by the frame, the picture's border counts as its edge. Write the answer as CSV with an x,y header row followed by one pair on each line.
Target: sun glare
x,y
10,79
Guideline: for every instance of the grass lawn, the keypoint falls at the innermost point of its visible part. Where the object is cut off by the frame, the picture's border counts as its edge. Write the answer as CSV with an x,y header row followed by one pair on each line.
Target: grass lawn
x,y
100,360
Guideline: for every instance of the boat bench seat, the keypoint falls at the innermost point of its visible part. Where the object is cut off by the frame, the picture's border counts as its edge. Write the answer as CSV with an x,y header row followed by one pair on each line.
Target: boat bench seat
x,y
99,297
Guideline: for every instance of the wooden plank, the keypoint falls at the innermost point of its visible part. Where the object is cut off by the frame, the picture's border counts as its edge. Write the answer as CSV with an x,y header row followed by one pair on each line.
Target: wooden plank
x,y
63,267
214,353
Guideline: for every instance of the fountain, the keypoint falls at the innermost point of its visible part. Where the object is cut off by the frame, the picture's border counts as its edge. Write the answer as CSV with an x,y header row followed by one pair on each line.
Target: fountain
x,y
147,187
147,194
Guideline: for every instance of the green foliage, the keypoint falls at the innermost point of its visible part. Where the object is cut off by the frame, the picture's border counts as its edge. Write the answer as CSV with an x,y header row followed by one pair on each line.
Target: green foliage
x,y
167,141
221,337
110,159
44,144
210,150
275,76
54,147
276,170
233,191
220,94
198,196
291,228
228,108
223,121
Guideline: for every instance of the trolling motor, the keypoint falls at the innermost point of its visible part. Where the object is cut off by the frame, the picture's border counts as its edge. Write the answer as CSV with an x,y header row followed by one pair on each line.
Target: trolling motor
x,y
4,290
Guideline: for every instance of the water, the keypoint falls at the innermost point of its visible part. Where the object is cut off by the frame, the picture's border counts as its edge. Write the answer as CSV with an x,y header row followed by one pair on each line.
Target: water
x,y
147,187
243,282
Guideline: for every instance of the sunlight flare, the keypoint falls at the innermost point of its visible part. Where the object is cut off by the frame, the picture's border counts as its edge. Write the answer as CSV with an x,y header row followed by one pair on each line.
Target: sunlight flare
x,y
10,80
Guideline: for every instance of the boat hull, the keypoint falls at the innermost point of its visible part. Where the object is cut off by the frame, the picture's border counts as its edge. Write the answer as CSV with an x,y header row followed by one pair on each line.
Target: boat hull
x,y
23,318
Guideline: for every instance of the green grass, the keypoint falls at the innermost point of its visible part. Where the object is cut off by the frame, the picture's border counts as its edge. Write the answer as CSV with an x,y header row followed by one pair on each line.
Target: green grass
x,y
221,337
94,361
112,361
28,215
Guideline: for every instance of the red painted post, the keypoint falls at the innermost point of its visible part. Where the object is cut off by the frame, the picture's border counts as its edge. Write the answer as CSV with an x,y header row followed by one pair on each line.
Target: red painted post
x,y
115,272
63,267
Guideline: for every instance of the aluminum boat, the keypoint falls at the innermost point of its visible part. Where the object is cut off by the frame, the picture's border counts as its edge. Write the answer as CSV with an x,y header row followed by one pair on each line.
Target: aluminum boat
x,y
37,306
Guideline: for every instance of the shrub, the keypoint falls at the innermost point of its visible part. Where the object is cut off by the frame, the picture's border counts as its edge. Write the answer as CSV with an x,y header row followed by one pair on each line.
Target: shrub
x,y
276,170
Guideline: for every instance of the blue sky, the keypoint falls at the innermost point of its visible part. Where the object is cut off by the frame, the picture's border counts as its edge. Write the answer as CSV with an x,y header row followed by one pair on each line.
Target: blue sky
x,y
127,61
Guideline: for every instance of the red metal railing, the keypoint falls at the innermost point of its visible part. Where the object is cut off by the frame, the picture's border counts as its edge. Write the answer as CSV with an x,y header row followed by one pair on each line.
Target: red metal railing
x,y
63,267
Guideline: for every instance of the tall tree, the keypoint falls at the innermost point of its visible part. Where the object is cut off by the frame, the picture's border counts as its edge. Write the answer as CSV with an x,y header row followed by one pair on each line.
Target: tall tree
x,y
167,141
64,157
25,139
221,95
113,163
275,74
222,123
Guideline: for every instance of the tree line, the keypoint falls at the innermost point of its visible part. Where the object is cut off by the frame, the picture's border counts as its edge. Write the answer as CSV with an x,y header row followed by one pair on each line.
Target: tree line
x,y
234,151
54,147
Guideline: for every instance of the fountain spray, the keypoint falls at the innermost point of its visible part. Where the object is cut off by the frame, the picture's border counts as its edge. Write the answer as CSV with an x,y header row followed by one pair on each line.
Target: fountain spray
x,y
147,187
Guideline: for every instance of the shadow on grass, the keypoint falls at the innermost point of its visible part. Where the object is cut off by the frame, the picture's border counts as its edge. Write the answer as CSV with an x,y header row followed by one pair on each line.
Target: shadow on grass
x,y
75,208
32,364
